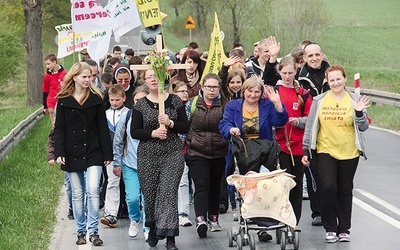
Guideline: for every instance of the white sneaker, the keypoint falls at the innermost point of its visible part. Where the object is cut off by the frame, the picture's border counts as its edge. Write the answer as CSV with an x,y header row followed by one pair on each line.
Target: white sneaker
x,y
214,226
184,221
344,237
331,237
133,229
146,235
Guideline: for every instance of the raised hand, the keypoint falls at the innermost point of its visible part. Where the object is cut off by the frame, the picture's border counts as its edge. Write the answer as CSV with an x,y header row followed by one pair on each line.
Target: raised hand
x,y
232,60
273,46
363,103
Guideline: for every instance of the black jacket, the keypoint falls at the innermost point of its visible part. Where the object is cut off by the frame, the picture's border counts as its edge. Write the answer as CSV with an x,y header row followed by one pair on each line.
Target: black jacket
x,y
81,133
314,80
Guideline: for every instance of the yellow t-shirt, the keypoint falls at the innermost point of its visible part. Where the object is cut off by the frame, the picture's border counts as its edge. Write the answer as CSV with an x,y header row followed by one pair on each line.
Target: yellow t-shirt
x,y
250,125
336,135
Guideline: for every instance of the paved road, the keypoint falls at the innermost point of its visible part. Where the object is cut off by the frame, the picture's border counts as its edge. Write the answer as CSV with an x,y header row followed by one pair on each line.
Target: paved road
x,y
375,223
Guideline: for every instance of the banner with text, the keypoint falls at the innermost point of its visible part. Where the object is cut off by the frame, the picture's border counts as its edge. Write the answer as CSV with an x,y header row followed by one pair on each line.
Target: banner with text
x,y
99,43
88,15
149,12
216,55
66,43
125,15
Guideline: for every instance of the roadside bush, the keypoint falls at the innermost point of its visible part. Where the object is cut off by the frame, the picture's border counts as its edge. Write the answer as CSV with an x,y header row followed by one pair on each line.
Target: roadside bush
x,y
11,54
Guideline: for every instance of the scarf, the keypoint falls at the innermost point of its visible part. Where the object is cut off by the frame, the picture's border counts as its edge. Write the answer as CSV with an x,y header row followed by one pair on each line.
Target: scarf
x,y
192,79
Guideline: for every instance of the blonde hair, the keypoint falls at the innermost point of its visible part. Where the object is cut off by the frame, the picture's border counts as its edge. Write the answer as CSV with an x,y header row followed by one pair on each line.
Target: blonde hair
x,y
68,88
254,82
289,60
176,85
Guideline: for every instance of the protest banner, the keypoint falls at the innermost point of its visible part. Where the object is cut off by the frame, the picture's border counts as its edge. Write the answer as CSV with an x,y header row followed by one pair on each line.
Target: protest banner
x,y
149,12
125,15
66,43
216,54
88,15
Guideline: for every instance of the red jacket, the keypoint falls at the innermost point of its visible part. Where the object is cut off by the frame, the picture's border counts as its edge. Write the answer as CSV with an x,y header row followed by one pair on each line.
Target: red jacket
x,y
51,85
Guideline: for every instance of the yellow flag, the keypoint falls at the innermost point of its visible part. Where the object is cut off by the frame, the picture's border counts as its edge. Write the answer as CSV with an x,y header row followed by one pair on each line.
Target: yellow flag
x,y
149,12
216,56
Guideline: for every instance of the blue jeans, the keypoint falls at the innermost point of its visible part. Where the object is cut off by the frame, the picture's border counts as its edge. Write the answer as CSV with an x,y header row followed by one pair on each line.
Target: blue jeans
x,y
86,185
67,184
132,197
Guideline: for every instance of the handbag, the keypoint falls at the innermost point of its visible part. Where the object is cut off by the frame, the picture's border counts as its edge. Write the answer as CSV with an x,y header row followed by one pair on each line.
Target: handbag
x,y
250,154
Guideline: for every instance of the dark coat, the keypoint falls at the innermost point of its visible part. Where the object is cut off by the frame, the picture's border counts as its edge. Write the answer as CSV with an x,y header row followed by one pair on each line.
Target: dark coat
x,y
204,138
81,133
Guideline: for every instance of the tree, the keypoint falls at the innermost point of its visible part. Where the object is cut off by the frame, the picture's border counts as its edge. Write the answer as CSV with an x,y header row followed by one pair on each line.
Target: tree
x,y
300,20
33,46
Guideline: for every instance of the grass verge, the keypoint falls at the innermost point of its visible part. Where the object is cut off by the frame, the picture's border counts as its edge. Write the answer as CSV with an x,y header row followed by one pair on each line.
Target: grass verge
x,y
29,193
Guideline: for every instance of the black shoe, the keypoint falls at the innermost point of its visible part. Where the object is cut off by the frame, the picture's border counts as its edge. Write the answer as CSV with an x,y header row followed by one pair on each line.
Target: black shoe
x,y
317,221
81,238
152,239
170,246
222,208
70,214
95,239
264,236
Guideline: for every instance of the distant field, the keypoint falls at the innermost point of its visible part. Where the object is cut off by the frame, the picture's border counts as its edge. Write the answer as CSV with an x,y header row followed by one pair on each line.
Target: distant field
x,y
364,36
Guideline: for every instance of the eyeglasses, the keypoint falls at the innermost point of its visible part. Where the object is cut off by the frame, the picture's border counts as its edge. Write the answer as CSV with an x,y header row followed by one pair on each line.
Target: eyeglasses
x,y
150,77
208,87
182,91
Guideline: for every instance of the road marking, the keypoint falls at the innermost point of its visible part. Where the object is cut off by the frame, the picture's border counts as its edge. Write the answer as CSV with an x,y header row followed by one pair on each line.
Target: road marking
x,y
376,212
378,200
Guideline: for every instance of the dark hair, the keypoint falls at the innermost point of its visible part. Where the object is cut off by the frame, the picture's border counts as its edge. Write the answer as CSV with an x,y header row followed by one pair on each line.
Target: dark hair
x,y
107,78
113,60
91,62
135,60
51,57
193,45
236,45
195,56
117,48
129,52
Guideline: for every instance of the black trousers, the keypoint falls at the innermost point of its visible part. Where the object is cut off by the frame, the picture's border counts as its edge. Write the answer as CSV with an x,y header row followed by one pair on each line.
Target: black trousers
x,y
312,178
336,179
207,176
296,193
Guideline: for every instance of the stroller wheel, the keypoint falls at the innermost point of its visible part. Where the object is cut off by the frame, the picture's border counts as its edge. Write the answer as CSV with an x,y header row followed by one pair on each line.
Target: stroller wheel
x,y
283,239
252,241
278,236
230,238
296,240
239,242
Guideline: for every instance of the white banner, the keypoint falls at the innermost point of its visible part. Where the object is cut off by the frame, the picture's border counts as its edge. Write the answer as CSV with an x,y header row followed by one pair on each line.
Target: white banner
x,y
99,43
65,40
125,15
88,15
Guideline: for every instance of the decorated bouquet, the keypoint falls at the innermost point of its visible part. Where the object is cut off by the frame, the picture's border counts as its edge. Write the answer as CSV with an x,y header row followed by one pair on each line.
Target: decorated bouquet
x,y
160,63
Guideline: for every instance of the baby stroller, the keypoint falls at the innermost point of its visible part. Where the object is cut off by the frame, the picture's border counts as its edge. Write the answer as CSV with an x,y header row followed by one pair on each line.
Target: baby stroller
x,y
262,198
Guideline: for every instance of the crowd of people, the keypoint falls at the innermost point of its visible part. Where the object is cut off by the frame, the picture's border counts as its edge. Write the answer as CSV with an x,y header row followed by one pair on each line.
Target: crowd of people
x,y
121,155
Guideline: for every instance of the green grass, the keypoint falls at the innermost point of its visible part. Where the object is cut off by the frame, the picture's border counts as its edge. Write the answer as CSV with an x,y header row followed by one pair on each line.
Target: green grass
x,y
29,193
385,116
10,117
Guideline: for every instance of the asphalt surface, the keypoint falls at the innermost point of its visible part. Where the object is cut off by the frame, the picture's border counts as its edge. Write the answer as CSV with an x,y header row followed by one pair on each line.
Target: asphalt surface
x,y
375,219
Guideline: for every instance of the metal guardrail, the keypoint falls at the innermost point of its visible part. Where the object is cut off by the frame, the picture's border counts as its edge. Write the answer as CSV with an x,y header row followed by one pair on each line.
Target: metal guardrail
x,y
8,142
381,97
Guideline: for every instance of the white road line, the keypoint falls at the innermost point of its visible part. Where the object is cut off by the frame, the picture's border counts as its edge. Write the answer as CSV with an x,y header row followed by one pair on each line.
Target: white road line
x,y
377,213
378,200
